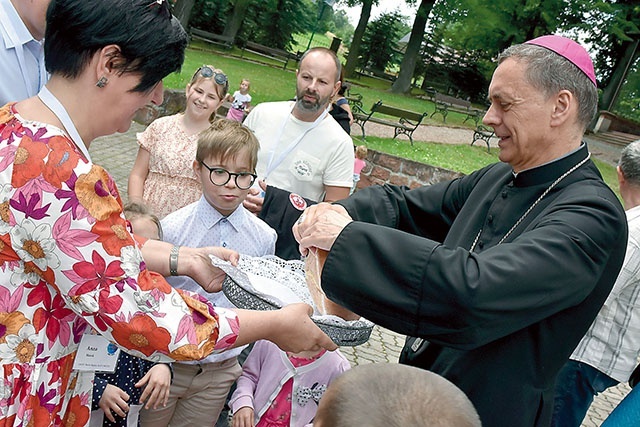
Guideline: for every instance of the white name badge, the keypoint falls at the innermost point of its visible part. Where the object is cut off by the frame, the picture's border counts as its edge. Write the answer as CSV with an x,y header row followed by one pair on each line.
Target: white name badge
x,y
96,353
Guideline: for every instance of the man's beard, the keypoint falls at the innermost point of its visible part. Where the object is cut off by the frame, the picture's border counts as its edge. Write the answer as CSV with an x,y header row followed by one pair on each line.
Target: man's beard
x,y
310,106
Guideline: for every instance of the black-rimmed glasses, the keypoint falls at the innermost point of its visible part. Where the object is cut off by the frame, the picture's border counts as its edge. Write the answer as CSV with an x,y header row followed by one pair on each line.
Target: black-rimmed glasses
x,y
208,72
220,177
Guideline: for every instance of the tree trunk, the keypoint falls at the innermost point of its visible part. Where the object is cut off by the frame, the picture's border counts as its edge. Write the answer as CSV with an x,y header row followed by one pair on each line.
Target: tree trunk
x,y
182,11
620,70
234,22
412,53
354,50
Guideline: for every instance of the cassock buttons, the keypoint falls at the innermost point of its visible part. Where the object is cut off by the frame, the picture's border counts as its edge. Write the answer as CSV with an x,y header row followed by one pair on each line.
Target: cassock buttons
x,y
490,219
481,244
504,194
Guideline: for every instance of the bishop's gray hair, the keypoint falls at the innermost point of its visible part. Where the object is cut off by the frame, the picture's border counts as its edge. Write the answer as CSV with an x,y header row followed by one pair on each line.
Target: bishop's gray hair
x,y
549,72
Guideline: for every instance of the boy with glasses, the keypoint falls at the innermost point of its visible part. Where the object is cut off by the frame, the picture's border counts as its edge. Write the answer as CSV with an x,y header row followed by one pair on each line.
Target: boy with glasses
x,y
225,167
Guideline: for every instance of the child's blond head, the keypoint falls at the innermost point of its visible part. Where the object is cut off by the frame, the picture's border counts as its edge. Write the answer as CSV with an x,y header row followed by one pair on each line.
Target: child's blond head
x,y
215,75
136,214
361,152
225,139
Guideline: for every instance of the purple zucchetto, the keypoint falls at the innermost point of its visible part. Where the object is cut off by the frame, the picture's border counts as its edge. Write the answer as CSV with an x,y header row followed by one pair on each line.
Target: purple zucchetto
x,y
570,50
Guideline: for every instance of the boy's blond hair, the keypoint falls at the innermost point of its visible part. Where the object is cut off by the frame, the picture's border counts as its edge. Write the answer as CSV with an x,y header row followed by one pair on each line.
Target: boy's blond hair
x,y
224,139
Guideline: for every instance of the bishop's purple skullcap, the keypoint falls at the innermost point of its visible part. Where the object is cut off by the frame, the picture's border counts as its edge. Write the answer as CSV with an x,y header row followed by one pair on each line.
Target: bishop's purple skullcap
x,y
570,50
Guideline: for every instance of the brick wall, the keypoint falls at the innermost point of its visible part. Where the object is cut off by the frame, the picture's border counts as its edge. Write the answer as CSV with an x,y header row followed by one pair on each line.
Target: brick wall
x,y
385,168
173,102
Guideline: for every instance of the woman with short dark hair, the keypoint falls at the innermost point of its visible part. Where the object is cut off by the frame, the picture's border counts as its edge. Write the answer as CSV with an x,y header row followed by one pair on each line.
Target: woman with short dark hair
x,y
67,257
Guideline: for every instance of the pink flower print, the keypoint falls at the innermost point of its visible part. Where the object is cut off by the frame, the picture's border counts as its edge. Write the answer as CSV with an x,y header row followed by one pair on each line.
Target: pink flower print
x,y
70,239
93,275
73,204
53,315
32,208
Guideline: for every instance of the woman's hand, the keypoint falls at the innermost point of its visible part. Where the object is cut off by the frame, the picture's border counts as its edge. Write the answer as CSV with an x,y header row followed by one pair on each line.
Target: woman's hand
x,y
243,417
156,383
114,401
319,226
192,262
200,269
290,328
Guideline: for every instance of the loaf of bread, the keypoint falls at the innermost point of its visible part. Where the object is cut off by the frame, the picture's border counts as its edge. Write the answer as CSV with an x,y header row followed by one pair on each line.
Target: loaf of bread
x,y
314,263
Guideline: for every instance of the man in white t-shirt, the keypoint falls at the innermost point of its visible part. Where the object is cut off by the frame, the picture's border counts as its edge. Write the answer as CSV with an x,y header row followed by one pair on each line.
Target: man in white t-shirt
x,y
302,148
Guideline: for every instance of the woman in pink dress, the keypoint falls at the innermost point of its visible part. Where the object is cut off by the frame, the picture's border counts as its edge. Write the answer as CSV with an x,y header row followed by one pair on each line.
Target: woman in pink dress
x,y
162,176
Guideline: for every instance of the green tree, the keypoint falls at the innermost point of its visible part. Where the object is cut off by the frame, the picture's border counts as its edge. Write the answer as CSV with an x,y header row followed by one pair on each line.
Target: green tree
x,y
182,11
356,42
379,44
341,25
628,104
612,30
235,18
277,20
403,83
210,15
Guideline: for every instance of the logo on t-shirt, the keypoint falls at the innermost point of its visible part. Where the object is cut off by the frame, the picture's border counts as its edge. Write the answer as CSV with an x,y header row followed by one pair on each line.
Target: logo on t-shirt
x,y
302,168
297,201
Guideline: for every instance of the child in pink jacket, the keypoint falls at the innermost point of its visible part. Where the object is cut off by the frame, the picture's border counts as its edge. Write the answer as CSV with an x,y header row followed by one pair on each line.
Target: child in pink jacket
x,y
278,388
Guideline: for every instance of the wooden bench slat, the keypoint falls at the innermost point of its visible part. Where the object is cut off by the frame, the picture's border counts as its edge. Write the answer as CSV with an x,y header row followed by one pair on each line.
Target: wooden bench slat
x,y
269,52
408,120
206,36
445,103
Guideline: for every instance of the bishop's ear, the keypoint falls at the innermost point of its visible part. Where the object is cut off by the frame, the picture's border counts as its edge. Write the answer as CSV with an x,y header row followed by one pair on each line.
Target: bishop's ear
x,y
565,107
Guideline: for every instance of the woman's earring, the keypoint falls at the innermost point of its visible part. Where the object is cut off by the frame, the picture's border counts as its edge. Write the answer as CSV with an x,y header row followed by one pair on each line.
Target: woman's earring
x,y
102,82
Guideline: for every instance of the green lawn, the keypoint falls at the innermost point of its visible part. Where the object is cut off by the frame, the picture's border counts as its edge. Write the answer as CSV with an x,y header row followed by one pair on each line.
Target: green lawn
x,y
269,82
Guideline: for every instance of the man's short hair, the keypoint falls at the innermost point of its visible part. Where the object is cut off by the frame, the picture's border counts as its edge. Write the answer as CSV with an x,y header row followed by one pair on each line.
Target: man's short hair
x,y
394,395
328,52
225,139
630,162
550,73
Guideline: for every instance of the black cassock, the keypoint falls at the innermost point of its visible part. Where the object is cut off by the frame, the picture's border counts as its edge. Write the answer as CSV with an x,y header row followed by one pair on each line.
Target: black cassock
x,y
501,320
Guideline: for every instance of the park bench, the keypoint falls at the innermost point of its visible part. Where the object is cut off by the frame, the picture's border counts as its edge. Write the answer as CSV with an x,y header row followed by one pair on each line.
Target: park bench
x,y
270,52
408,120
225,41
355,100
483,133
445,103
370,72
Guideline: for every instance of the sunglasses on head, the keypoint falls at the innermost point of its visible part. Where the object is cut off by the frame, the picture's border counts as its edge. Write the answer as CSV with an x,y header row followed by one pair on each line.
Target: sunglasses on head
x,y
208,72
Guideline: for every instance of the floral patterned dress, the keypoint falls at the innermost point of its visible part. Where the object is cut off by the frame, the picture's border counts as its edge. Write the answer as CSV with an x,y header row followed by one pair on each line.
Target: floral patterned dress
x,y
171,183
68,260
